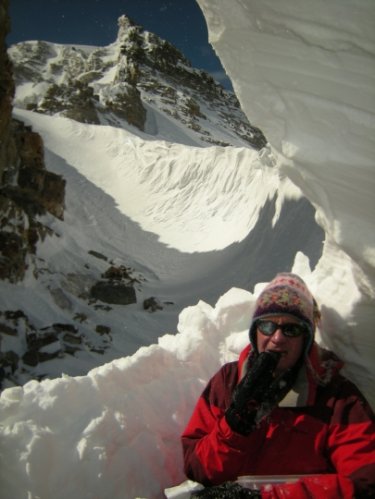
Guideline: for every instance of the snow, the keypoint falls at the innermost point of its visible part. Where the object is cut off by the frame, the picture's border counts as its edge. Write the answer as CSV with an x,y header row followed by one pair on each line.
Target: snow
x,y
309,85
187,182
202,224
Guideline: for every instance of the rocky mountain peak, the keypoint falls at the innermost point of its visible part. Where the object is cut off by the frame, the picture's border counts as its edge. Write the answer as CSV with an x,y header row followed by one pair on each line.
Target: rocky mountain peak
x,y
124,23
130,82
145,47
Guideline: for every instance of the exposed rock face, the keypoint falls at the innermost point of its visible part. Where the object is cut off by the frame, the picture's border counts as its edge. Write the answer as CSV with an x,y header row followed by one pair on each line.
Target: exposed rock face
x,y
27,189
152,304
37,346
120,83
24,347
114,292
6,91
116,287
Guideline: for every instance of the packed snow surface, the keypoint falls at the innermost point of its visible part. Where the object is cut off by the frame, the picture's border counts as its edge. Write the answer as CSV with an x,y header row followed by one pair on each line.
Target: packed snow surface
x,y
305,74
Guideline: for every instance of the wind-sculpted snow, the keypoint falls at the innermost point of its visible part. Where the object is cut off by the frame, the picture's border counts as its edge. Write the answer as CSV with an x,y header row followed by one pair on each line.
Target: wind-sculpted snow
x,y
166,187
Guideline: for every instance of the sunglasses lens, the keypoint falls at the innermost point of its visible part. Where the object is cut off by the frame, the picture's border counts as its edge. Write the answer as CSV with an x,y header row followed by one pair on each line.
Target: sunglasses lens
x,y
290,330
293,330
267,327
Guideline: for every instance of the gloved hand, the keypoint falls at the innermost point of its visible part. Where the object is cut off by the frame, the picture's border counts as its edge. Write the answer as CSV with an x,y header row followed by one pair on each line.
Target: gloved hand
x,y
250,392
228,490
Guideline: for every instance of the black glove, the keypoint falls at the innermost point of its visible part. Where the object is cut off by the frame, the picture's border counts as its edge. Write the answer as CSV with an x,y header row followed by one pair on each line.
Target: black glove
x,y
250,392
228,490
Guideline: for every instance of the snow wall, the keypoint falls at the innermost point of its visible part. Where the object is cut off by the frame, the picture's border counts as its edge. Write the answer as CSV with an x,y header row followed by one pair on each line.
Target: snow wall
x,y
304,72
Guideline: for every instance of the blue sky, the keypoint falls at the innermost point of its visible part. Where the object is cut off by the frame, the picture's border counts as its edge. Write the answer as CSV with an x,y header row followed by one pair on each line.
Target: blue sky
x,y
94,22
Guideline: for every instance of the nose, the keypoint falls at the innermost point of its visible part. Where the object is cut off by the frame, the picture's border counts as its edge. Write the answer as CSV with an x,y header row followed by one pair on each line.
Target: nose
x,y
278,336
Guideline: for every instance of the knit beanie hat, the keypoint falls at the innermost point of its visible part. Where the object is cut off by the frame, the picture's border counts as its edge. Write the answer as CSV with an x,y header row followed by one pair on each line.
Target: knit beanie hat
x,y
286,294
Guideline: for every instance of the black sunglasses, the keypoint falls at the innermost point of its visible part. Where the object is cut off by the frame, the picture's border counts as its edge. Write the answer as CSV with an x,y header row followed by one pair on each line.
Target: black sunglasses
x,y
290,330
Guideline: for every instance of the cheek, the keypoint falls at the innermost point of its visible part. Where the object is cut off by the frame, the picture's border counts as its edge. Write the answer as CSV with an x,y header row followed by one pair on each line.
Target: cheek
x,y
261,343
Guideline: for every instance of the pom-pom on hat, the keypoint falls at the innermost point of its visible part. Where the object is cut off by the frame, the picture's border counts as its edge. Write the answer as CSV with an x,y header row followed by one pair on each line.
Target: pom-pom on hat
x,y
286,294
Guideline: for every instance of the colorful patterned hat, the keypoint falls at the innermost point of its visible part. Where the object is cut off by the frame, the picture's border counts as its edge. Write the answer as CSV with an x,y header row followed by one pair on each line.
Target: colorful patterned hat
x,y
286,294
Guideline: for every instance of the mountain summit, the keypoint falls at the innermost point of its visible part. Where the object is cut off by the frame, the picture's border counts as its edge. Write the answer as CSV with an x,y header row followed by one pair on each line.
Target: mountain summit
x,y
139,80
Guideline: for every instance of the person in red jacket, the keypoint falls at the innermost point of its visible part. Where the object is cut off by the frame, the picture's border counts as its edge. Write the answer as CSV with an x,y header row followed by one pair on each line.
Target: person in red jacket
x,y
283,410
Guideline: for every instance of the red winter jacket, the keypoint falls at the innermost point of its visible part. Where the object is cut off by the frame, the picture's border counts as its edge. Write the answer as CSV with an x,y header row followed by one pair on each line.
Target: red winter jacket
x,y
323,427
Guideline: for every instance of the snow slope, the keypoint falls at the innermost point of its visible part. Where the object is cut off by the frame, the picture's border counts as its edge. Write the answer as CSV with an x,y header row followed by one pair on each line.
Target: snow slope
x,y
115,431
189,220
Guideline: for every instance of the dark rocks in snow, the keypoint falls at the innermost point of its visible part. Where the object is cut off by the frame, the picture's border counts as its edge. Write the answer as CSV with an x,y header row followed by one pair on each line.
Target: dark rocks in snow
x,y
75,101
34,357
152,304
101,329
127,104
24,348
50,342
12,256
26,192
116,286
8,362
118,273
114,292
10,331
98,255
44,190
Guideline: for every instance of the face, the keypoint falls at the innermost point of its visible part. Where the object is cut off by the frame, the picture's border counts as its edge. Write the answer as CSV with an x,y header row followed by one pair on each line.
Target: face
x,y
290,347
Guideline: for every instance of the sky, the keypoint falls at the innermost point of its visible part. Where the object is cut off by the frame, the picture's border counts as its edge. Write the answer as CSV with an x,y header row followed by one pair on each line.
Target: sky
x,y
94,22
115,432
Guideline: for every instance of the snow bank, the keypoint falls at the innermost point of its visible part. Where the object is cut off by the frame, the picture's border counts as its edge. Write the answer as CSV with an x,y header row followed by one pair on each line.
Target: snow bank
x,y
115,432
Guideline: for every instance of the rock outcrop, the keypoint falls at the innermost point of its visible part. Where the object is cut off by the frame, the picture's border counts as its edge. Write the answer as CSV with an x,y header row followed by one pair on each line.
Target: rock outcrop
x,y
27,189
123,82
